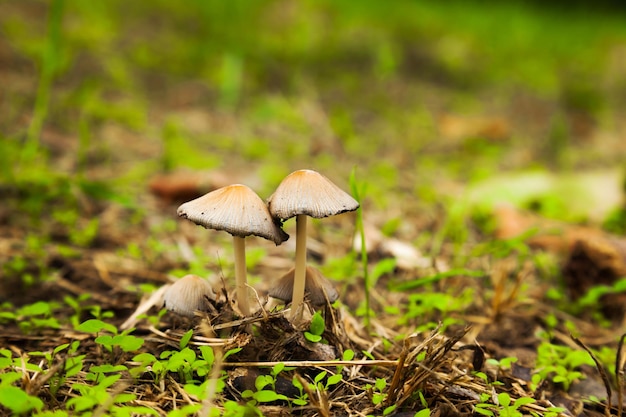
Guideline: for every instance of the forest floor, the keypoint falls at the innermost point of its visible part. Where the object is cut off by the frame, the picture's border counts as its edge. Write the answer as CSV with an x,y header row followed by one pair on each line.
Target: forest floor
x,y
491,279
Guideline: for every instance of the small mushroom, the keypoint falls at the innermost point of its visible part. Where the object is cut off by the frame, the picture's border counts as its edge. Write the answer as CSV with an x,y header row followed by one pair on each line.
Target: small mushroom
x,y
306,193
188,295
239,211
317,287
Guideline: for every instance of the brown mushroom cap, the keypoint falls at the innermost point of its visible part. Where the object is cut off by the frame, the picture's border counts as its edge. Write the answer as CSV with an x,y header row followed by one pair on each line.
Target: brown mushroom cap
x,y
235,209
315,286
188,295
309,192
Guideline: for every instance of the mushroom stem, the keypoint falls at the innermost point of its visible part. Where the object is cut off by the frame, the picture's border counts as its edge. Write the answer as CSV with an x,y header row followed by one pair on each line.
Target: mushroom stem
x,y
299,280
240,274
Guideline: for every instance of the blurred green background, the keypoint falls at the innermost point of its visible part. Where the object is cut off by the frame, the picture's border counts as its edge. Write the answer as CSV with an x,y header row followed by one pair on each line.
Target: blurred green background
x,y
417,95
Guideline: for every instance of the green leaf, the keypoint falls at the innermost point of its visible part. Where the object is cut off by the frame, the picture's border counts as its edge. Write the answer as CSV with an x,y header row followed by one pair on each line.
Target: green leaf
x,y
124,397
348,355
380,384
184,341
423,413
96,326
109,380
107,368
105,340
8,315
504,399
368,354
35,309
5,362
60,348
157,367
196,390
266,396
128,343
231,352
18,401
296,383
8,378
483,411
333,379
320,376
389,410
278,368
181,359
144,358
317,324
262,381
74,365
201,367
312,337
523,401
207,354
384,266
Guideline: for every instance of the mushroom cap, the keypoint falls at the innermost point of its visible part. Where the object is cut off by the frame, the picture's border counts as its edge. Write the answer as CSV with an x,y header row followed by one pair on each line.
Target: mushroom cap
x,y
235,209
309,192
315,286
188,295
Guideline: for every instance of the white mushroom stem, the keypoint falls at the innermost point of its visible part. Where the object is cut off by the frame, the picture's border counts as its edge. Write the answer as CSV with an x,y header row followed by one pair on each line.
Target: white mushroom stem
x,y
240,274
299,279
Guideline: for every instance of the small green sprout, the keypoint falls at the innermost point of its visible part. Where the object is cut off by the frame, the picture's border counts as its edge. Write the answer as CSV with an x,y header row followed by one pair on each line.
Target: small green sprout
x,y
15,399
184,341
559,364
180,362
72,366
316,328
303,397
504,407
377,390
122,341
31,317
263,395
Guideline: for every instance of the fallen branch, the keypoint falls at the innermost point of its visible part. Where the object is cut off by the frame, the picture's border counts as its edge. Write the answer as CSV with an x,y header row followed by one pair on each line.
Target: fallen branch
x,y
307,364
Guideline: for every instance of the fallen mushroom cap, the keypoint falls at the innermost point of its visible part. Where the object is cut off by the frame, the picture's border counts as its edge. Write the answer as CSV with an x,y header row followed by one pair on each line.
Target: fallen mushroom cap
x,y
309,192
235,209
188,295
315,286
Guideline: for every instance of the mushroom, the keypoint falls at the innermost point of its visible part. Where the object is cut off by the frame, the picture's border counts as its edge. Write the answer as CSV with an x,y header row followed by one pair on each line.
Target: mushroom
x,y
306,193
188,295
316,286
239,211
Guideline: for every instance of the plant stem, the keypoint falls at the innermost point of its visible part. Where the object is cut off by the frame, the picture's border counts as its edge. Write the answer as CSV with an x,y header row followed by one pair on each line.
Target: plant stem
x,y
240,274
361,228
364,265
297,300
49,66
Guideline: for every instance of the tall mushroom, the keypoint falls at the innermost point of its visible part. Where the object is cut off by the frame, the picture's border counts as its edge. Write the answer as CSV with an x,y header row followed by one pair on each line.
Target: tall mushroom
x,y
306,193
239,211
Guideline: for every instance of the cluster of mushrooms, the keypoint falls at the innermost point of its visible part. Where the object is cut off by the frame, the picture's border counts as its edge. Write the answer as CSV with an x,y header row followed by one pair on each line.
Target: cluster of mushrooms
x,y
238,210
